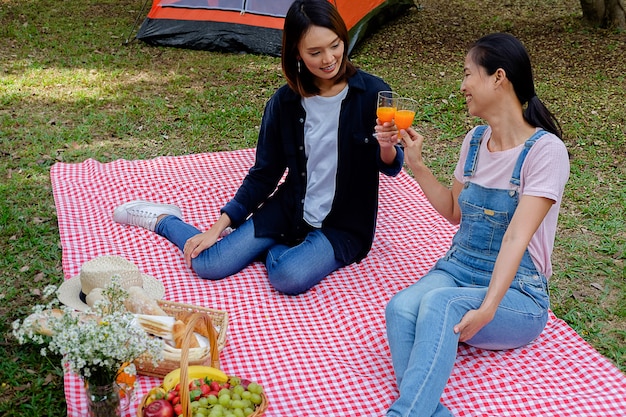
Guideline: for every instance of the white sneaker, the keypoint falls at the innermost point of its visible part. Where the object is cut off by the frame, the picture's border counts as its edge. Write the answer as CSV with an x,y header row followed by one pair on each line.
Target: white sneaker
x,y
143,213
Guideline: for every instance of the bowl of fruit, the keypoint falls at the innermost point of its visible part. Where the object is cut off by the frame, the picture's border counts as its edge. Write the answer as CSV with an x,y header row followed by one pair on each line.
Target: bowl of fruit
x,y
203,391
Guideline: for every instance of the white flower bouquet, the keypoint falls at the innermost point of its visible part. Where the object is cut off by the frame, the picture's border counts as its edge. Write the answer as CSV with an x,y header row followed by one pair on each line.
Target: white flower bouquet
x,y
96,344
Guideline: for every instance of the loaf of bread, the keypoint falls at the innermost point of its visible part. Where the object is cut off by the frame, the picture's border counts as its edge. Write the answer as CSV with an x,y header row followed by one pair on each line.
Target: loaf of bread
x,y
40,322
139,302
94,296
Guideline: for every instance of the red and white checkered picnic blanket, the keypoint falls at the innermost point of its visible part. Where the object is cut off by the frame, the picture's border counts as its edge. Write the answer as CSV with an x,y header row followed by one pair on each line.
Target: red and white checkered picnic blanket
x,y
323,353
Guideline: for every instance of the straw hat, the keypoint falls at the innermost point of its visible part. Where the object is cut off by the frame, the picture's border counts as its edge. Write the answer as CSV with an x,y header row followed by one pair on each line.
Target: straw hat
x,y
96,274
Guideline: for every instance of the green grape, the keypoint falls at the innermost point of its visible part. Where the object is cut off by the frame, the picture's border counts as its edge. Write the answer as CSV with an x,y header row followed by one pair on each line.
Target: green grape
x,y
247,404
224,399
204,401
223,391
237,404
238,412
247,411
255,388
235,396
246,395
256,399
216,412
239,389
211,399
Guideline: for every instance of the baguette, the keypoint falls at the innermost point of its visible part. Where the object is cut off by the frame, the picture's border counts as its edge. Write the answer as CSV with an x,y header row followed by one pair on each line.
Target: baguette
x,y
40,321
140,302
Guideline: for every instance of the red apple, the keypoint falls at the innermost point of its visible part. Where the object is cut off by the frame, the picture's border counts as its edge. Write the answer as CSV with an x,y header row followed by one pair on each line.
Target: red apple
x,y
159,408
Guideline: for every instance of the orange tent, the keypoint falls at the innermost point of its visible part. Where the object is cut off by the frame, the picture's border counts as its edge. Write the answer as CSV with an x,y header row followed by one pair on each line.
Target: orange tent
x,y
249,25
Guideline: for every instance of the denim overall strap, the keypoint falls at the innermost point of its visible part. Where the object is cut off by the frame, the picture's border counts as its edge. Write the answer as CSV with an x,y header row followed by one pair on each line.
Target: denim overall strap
x,y
515,178
472,153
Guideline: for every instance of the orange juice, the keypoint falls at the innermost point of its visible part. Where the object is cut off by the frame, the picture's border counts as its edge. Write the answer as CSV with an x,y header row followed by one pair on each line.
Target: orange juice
x,y
403,118
385,114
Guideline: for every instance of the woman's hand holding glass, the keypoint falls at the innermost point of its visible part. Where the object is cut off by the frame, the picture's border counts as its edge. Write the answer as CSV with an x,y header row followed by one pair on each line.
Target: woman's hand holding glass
x,y
388,133
394,113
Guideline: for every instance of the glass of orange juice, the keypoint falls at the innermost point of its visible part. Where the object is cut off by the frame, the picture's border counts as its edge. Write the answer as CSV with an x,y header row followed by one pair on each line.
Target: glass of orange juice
x,y
405,112
386,108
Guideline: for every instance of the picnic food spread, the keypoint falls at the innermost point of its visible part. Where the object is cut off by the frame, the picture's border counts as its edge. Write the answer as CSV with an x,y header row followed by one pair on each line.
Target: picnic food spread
x,y
192,338
194,390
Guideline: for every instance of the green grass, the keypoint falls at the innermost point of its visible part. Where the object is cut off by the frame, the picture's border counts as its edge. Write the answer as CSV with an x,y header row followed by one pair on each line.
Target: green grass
x,y
70,90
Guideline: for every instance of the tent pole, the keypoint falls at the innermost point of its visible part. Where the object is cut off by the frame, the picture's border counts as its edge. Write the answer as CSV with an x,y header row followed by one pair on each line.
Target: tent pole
x,y
132,29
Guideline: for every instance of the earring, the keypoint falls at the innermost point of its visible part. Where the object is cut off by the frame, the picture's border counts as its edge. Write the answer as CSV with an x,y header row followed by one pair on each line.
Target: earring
x,y
299,69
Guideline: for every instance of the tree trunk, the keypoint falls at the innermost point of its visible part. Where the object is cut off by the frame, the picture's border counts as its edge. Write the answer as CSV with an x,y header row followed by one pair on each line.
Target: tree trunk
x,y
605,13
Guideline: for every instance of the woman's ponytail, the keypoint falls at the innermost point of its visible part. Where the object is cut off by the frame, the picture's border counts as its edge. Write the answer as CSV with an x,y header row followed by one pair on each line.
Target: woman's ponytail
x,y
537,114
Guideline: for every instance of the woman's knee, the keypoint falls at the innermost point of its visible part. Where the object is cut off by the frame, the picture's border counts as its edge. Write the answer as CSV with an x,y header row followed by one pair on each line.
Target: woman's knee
x,y
205,271
395,305
290,283
402,305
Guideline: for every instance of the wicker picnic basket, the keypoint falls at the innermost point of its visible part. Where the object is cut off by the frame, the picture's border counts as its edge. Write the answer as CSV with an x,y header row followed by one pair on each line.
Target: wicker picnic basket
x,y
209,355
204,320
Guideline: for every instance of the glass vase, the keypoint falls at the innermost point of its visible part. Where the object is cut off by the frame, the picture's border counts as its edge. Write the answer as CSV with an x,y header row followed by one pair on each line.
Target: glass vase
x,y
103,400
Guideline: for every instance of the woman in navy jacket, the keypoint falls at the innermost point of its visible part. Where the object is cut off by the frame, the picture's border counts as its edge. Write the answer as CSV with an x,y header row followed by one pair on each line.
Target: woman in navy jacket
x,y
319,129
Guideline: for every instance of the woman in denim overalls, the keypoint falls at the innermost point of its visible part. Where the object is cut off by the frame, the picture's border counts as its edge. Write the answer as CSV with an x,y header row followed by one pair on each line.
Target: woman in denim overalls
x,y
490,289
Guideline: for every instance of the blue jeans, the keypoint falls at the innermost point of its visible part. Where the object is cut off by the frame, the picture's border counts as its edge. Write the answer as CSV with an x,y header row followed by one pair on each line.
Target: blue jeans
x,y
291,270
420,321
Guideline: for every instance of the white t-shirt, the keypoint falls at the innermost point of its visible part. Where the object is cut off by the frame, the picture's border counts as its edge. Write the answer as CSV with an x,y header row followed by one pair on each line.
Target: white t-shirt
x,y
321,147
544,174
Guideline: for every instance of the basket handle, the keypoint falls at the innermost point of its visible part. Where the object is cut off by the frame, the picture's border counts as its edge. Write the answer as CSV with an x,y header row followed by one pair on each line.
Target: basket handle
x,y
194,320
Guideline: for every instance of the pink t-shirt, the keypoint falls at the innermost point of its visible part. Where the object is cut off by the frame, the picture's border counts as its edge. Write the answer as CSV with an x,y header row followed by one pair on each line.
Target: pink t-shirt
x,y
544,174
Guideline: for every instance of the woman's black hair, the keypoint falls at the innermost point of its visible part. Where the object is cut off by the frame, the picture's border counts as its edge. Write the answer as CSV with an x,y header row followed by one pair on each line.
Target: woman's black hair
x,y
502,50
301,16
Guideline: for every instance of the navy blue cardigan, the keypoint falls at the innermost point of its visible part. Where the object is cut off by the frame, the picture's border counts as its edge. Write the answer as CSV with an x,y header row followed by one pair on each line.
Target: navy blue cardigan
x,y
278,212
